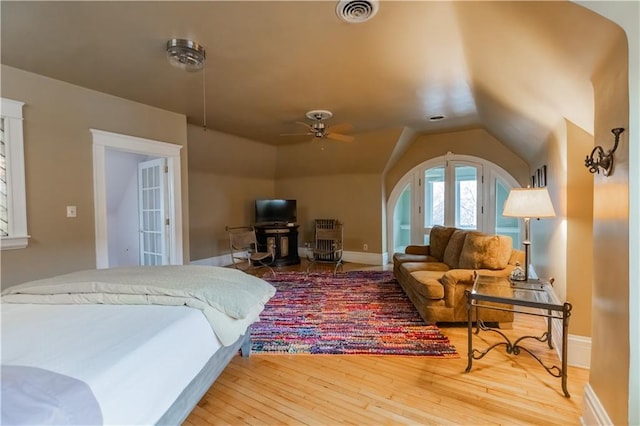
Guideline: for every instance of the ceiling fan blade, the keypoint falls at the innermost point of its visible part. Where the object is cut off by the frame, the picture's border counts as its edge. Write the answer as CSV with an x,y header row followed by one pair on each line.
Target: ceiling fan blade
x,y
296,134
340,128
339,137
308,132
307,125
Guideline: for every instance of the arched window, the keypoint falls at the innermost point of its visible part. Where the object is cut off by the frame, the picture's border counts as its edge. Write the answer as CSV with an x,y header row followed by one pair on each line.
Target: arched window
x,y
454,190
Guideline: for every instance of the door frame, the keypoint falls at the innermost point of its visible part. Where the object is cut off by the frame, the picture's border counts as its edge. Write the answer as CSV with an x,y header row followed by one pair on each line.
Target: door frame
x,y
103,140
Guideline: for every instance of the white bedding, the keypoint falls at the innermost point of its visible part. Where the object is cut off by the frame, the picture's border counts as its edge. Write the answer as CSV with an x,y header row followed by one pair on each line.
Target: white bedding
x,y
136,359
230,299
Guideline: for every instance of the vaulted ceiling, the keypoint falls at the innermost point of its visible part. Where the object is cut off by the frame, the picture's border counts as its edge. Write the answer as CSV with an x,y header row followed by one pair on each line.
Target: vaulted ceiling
x,y
516,69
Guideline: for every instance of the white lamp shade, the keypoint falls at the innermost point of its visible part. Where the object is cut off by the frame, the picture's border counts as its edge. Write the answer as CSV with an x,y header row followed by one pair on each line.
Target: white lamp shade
x,y
528,202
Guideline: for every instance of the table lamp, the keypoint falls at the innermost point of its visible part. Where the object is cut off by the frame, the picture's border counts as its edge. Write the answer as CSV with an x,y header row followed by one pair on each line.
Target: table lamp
x,y
528,203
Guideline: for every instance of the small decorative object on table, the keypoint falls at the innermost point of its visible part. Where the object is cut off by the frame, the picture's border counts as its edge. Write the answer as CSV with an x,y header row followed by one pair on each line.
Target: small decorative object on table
x,y
518,273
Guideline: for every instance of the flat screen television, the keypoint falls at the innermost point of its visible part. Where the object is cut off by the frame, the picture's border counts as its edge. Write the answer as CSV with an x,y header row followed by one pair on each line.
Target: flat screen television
x,y
275,211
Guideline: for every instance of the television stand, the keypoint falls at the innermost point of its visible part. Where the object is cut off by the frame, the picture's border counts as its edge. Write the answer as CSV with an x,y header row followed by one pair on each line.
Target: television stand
x,y
284,236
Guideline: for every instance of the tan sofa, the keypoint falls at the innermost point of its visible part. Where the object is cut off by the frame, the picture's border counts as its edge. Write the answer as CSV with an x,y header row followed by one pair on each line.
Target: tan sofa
x,y
436,276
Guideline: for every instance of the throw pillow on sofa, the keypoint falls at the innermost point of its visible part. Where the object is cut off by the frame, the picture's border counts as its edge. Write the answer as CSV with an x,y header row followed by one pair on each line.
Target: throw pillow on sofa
x,y
438,240
454,248
485,251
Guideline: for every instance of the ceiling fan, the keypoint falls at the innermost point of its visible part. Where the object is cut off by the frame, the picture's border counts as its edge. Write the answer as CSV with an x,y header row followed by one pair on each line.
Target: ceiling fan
x,y
319,129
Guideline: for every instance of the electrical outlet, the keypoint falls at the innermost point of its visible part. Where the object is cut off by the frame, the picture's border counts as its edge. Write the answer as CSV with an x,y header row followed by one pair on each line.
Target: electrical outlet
x,y
365,247
71,211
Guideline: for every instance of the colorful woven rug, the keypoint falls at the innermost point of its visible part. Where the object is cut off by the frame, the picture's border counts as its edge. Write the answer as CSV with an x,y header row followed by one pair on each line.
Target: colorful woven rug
x,y
359,312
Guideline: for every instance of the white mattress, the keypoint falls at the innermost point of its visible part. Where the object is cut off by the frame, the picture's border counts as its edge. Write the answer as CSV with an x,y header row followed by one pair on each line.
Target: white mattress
x,y
136,359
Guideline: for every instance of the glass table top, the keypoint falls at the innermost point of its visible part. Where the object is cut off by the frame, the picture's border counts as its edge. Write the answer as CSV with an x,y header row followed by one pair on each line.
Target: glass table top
x,y
534,293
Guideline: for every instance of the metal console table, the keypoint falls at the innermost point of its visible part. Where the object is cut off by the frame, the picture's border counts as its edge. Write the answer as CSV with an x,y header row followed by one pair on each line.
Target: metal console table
x,y
501,294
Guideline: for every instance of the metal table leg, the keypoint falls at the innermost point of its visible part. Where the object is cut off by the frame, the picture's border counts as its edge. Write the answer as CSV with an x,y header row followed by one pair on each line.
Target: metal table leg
x,y
469,333
566,313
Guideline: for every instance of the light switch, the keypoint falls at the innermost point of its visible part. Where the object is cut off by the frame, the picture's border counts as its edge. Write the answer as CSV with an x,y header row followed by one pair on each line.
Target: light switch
x,y
71,211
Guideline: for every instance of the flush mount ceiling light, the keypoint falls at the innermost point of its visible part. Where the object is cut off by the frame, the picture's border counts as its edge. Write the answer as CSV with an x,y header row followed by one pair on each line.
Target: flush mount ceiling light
x,y
356,11
186,54
189,56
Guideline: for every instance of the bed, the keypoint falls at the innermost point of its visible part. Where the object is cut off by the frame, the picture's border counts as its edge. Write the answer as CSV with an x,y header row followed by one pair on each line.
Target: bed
x,y
122,346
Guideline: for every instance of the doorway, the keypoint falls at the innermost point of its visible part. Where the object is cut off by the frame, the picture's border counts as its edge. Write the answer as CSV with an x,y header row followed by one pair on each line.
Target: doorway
x,y
169,237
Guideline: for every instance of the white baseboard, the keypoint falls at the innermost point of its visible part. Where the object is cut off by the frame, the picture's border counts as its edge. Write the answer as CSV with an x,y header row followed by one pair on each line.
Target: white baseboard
x,y
365,257
593,413
579,350
222,260
355,256
347,256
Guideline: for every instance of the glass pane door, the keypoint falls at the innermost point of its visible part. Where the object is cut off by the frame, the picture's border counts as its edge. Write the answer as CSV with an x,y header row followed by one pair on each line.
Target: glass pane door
x,y
4,204
466,196
402,221
152,212
434,199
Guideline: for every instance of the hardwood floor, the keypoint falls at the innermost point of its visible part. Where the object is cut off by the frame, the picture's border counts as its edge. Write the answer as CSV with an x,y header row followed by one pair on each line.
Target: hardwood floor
x,y
373,390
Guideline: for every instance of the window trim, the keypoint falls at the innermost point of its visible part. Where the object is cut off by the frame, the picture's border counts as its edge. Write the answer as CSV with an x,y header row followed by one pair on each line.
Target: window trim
x,y
18,237
486,221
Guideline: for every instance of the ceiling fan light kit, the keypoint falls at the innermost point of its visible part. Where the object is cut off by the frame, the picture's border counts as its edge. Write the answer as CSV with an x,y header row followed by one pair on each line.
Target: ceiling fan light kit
x,y
319,130
186,54
319,114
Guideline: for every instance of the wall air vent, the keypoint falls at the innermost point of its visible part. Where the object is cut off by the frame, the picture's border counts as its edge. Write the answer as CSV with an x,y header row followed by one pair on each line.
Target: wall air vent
x,y
356,11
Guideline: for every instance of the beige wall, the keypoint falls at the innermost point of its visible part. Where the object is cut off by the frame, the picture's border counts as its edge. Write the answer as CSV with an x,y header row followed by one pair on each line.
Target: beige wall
x,y
59,168
619,107
579,227
610,355
226,175
328,179
549,236
354,199
562,246
476,142
339,180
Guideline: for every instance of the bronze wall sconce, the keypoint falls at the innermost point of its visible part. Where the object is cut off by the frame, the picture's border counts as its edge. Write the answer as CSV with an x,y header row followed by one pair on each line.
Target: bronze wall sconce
x,y
603,160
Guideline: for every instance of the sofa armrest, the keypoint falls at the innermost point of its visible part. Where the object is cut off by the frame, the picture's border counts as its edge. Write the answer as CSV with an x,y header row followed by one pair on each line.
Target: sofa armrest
x,y
456,277
450,281
497,273
416,249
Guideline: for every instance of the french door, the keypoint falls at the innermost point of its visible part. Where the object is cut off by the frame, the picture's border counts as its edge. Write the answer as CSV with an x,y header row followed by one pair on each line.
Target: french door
x,y
152,187
459,191
450,195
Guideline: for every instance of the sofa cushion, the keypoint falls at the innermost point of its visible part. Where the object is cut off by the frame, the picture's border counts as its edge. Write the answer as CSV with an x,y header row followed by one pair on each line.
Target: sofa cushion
x,y
438,240
399,258
426,266
482,251
427,284
454,248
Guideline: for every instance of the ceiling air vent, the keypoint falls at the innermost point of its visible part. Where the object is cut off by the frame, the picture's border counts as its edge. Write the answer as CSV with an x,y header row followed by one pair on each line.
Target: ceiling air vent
x,y
356,11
